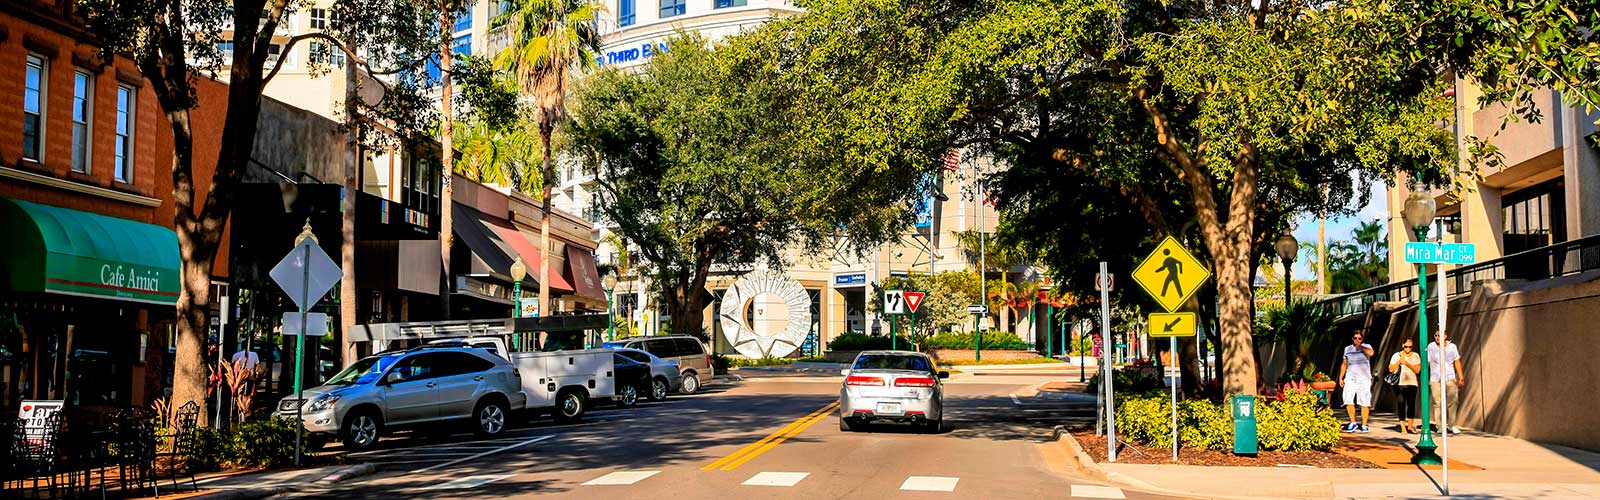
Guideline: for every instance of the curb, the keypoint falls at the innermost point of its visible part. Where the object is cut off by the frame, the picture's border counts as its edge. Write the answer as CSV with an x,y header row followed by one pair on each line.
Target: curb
x,y
351,472
242,493
818,364
1094,470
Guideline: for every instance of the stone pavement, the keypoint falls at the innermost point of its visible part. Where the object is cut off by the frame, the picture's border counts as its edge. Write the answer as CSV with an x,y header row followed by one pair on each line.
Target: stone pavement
x,y
1483,466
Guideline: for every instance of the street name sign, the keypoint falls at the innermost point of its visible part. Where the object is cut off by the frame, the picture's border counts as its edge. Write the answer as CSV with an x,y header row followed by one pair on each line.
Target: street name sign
x,y
1170,274
894,302
977,309
913,299
1425,252
1172,324
306,286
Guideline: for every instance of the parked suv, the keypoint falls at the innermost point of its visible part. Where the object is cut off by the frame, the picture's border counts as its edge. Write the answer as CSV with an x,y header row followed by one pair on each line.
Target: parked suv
x,y
425,386
693,360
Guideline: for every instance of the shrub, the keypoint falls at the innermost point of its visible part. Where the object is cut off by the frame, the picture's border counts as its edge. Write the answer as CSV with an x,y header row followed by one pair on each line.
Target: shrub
x,y
991,340
1299,422
1131,383
1201,423
763,361
211,449
864,342
1205,424
1145,420
720,364
265,443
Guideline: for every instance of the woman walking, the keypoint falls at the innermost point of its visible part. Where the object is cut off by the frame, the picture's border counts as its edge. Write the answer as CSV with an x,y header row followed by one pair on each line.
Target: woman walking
x,y
1407,364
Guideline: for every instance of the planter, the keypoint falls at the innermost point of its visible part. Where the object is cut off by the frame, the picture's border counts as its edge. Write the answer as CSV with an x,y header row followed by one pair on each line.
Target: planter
x,y
1325,386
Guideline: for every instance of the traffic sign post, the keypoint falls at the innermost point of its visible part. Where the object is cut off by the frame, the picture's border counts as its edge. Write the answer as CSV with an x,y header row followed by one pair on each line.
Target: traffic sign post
x,y
1106,372
306,274
1171,275
1423,253
913,299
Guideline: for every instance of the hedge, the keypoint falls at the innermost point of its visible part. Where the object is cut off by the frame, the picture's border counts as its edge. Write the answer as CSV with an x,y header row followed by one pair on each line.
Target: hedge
x,y
1297,423
864,342
991,340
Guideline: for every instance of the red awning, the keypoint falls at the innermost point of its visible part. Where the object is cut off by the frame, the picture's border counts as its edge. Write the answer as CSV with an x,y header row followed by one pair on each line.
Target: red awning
x,y
531,256
580,263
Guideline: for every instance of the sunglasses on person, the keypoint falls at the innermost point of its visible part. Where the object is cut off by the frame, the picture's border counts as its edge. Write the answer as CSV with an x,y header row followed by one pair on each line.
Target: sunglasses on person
x,y
1407,346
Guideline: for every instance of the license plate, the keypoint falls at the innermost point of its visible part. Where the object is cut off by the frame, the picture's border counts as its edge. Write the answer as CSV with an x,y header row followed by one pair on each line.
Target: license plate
x,y
888,407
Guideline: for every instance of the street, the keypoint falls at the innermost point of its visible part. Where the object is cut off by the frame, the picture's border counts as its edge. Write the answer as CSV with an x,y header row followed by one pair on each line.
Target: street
x,y
770,437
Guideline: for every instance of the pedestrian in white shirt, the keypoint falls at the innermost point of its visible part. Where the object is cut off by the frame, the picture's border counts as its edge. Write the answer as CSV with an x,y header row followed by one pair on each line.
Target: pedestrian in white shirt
x,y
1355,376
1446,376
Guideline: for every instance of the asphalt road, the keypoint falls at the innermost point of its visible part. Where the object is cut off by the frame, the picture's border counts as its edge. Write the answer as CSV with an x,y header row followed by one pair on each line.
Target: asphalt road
x,y
763,437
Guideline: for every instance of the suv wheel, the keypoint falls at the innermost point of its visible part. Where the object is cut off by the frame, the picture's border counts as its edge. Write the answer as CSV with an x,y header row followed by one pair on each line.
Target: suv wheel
x,y
658,389
361,430
629,396
691,383
491,417
570,406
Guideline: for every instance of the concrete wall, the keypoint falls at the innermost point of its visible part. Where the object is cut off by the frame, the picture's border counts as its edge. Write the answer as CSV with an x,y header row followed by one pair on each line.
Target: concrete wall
x,y
1529,353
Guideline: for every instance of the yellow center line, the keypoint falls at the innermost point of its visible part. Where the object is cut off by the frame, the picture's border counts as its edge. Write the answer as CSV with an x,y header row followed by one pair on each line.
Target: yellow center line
x,y
793,431
770,437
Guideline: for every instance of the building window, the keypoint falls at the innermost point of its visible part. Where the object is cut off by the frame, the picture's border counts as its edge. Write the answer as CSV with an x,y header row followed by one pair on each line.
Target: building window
x,y
625,14
124,147
671,8
319,19
462,46
1534,217
33,98
225,50
732,3
464,20
82,102
322,53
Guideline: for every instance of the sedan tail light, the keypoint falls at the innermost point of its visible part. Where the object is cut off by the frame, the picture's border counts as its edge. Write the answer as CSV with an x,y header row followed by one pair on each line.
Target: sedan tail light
x,y
863,380
914,382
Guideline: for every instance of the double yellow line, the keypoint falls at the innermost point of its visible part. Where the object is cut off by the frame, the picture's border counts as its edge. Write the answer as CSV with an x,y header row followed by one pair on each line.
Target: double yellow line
x,y
755,449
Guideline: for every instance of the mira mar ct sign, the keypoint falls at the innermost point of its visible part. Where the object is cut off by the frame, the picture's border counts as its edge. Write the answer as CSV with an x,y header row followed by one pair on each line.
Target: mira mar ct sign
x,y
1440,253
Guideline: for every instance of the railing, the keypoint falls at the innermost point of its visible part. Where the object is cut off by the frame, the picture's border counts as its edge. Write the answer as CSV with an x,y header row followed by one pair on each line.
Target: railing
x,y
1561,259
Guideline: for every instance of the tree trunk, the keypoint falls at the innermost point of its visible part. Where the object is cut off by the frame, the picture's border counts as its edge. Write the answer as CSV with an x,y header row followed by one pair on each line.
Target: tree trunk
x,y
189,366
348,296
546,127
447,172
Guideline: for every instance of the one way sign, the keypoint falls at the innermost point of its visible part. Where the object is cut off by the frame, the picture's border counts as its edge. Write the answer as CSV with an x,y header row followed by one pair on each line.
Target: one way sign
x,y
914,299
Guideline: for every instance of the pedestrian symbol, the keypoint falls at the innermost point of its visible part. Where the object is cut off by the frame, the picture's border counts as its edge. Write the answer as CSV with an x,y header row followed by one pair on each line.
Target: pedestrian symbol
x,y
1170,274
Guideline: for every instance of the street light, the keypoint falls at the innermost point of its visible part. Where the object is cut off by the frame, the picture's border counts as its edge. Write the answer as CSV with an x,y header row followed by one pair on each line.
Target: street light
x,y
1287,248
1418,213
611,313
518,272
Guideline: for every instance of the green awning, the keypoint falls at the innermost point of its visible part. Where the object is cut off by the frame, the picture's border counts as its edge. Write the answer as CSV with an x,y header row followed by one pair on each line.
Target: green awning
x,y
60,250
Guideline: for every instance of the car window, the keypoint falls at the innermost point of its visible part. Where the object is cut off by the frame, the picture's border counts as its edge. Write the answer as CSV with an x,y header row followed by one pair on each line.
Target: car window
x,y
635,355
660,348
892,362
459,363
488,346
689,347
364,371
416,367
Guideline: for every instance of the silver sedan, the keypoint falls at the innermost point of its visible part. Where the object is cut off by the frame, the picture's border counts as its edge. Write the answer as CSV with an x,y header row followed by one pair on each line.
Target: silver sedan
x,y
892,386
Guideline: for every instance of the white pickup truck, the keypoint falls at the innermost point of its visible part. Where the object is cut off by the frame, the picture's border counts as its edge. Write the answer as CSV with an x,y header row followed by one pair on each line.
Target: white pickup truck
x,y
563,382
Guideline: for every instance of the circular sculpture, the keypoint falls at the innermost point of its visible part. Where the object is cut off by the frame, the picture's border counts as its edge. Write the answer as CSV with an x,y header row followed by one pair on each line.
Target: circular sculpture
x,y
754,303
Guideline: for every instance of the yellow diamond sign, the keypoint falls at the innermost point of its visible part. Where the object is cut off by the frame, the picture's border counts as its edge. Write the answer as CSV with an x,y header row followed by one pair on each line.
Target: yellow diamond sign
x,y
1170,274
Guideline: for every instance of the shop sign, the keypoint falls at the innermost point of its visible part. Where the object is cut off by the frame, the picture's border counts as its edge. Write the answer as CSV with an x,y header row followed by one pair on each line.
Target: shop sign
x,y
35,417
79,275
631,54
850,279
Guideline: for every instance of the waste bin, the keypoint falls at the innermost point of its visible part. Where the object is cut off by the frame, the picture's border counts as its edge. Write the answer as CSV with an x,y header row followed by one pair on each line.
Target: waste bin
x,y
1244,424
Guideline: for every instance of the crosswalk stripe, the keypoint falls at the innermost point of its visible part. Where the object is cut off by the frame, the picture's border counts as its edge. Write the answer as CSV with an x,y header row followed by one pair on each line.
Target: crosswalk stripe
x,y
622,477
1096,491
468,482
775,479
929,483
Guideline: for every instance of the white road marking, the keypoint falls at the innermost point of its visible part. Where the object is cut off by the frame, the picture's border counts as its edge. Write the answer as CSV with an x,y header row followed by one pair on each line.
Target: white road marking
x,y
468,482
929,483
486,453
622,477
1094,491
776,478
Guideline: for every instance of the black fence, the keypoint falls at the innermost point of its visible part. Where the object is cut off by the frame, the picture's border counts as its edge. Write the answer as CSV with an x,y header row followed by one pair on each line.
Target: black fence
x,y
1561,259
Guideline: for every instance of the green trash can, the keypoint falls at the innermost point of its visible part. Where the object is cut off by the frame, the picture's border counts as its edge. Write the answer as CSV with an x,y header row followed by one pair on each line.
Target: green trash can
x,y
1244,424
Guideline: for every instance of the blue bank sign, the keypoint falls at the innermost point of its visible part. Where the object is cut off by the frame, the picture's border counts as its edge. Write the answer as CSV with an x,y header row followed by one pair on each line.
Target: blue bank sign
x,y
631,54
1440,253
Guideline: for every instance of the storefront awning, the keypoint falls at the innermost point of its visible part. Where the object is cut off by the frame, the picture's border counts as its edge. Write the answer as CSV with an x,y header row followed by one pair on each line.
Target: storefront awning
x,y
531,256
468,225
580,262
65,251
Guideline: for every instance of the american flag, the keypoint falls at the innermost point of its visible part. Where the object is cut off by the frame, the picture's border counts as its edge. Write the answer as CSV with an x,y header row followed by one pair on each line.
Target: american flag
x,y
952,159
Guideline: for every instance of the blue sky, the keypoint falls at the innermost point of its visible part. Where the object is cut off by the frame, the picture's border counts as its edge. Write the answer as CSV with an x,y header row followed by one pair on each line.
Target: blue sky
x,y
1305,227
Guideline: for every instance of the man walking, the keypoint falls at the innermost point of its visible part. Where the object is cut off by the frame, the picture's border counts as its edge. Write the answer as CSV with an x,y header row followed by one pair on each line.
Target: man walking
x,y
1446,377
1355,376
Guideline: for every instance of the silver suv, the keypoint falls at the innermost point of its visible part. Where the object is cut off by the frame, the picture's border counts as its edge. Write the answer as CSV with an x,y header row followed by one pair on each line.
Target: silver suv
x,y
415,387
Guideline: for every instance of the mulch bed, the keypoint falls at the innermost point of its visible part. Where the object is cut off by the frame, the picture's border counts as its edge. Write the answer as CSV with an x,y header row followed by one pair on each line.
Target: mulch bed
x,y
1130,453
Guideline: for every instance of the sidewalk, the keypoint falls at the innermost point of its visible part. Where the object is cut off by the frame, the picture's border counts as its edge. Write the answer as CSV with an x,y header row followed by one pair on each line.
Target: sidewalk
x,y
262,484
1482,466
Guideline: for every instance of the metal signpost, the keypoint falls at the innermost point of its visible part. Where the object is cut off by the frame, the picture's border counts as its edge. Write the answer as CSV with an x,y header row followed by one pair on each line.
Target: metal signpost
x,y
977,310
306,274
894,304
1177,275
913,299
1104,280
1423,253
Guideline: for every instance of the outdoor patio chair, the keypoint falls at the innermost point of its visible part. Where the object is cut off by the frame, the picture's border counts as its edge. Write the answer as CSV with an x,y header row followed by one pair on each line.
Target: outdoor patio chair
x,y
133,449
36,458
184,424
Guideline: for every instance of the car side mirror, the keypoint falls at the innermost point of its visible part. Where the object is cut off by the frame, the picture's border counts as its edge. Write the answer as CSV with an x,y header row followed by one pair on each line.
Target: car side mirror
x,y
944,374
845,372
392,377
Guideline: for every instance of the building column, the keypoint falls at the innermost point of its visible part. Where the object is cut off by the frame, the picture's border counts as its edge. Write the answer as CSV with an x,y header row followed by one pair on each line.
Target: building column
x,y
1399,270
1482,223
1581,170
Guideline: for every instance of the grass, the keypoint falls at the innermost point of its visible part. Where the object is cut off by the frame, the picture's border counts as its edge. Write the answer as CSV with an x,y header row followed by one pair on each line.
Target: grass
x,y
963,362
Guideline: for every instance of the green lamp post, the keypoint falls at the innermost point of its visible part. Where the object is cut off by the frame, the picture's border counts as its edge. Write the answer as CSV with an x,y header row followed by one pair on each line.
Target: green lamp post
x,y
1418,213
518,272
611,312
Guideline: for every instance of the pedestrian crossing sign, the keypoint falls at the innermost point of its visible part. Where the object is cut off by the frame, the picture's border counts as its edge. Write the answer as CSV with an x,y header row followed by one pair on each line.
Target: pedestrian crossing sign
x,y
1170,274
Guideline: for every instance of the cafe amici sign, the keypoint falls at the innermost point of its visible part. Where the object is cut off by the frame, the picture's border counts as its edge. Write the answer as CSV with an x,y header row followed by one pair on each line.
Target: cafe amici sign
x,y
60,250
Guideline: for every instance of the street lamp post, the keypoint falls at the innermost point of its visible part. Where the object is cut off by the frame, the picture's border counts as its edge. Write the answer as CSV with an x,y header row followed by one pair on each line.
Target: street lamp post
x,y
518,272
1419,212
1287,247
611,313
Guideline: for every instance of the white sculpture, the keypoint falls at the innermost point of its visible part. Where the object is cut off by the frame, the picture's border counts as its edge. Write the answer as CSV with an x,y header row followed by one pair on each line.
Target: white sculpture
x,y
762,289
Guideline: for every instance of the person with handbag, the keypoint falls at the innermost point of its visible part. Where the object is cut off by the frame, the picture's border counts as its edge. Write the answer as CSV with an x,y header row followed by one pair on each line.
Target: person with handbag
x,y
1404,367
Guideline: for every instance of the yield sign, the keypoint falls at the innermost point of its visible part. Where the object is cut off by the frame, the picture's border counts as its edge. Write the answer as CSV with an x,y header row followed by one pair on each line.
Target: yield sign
x,y
306,274
914,299
1170,274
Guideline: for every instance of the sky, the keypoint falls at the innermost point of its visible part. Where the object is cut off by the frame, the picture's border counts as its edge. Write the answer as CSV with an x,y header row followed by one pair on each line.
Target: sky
x,y
1305,227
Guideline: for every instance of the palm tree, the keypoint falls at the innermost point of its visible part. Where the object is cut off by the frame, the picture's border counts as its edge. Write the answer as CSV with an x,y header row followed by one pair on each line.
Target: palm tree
x,y
549,40
1374,245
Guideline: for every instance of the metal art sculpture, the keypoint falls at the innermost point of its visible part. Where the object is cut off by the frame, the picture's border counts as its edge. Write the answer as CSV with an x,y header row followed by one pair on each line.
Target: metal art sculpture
x,y
738,300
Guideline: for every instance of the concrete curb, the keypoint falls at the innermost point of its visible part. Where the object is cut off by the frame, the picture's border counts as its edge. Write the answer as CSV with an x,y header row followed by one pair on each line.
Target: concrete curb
x,y
1094,470
243,493
350,472
818,364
